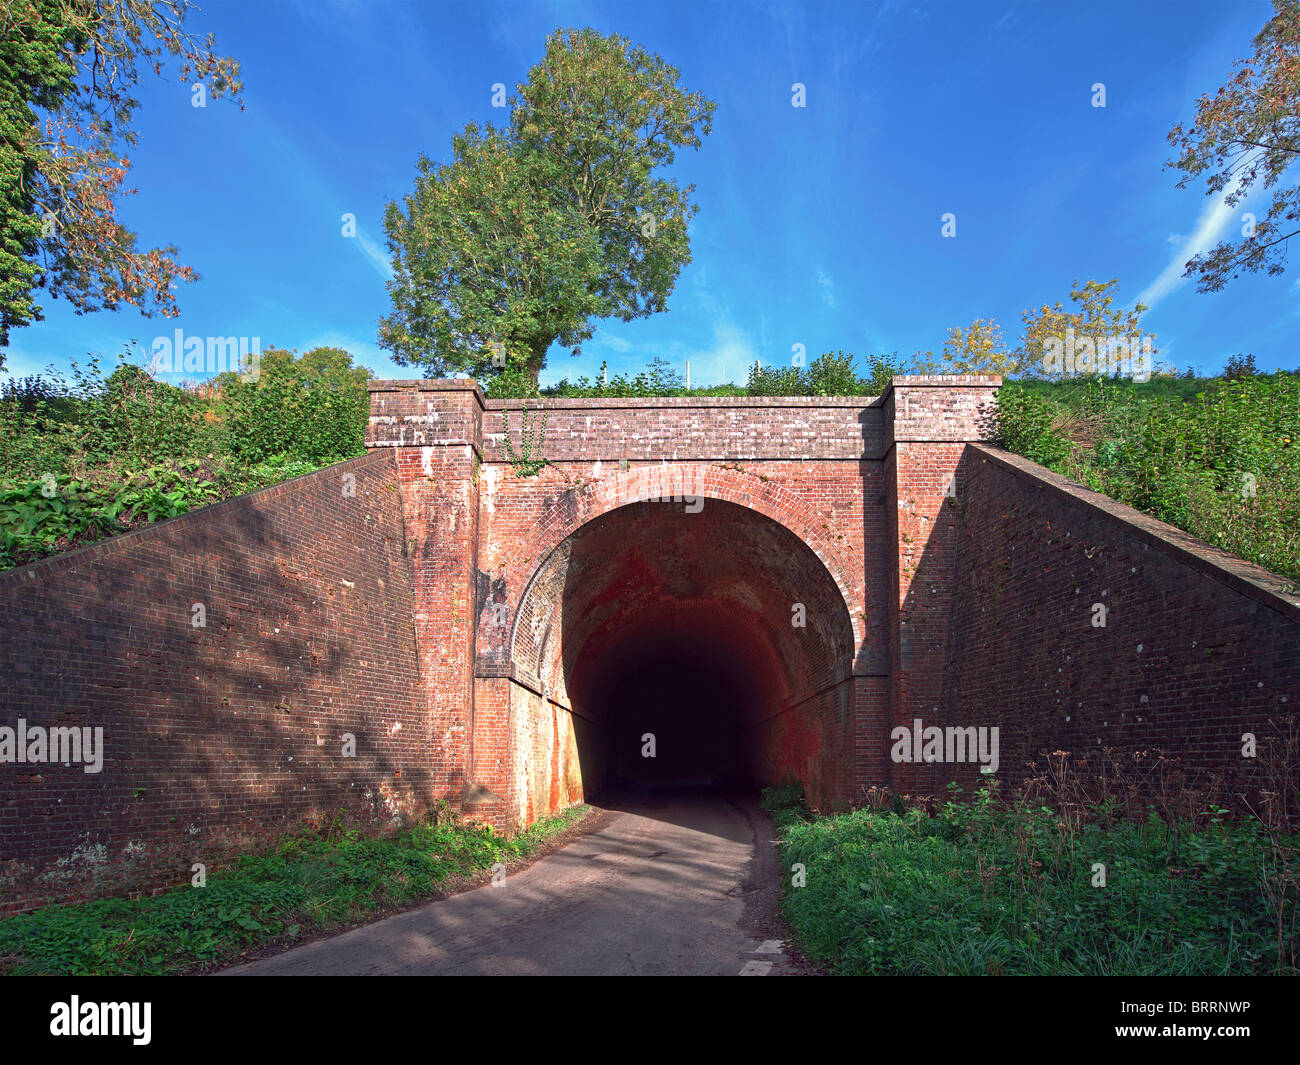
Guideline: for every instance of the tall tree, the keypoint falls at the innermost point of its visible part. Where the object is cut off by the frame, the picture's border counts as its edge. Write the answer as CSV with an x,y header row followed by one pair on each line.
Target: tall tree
x,y
1094,317
532,231
1092,325
1249,133
979,349
325,368
68,72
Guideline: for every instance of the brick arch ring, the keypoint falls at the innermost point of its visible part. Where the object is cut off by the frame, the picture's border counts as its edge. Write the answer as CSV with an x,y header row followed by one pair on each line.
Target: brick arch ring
x,y
700,479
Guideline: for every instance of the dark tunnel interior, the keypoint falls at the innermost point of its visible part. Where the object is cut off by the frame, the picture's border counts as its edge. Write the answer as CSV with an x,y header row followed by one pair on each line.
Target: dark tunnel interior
x,y
671,635
691,696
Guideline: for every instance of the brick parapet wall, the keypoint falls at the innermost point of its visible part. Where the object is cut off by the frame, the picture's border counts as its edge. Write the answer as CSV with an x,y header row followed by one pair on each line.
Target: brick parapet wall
x,y
812,429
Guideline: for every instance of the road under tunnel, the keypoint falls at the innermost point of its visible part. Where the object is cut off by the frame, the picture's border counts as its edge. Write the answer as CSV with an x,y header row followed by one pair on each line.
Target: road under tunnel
x,y
696,644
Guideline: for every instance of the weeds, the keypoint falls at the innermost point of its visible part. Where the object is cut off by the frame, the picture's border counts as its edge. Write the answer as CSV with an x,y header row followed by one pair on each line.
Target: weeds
x,y
1072,874
305,884
1217,458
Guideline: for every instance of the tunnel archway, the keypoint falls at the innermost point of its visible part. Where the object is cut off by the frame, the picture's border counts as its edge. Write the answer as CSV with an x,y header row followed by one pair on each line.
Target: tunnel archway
x,y
701,623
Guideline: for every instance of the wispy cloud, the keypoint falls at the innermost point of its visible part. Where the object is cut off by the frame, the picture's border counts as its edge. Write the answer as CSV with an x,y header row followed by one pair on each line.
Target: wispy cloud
x,y
378,256
828,288
730,357
20,363
732,351
619,344
1005,21
1214,219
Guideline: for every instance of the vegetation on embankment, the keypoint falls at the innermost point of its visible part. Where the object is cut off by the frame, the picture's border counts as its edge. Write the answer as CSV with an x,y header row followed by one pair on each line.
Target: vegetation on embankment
x,y
1218,458
981,886
826,375
304,886
102,454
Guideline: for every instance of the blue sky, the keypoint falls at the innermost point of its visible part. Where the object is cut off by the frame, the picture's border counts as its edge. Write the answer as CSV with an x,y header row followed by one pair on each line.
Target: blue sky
x,y
818,226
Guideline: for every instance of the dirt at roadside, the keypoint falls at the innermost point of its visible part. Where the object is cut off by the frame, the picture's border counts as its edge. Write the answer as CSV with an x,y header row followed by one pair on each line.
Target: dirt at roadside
x,y
762,887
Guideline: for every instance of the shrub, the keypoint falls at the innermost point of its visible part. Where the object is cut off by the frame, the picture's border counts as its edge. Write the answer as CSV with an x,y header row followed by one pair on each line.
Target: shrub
x,y
1218,458
284,416
92,457
1239,366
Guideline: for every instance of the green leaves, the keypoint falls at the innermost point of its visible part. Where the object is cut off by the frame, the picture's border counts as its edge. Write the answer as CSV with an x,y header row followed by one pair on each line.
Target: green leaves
x,y
33,523
527,461
826,375
1218,458
308,883
533,230
1247,133
66,109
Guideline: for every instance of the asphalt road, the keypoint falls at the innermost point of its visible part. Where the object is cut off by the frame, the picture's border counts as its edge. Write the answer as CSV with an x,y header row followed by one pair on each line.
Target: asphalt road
x,y
671,885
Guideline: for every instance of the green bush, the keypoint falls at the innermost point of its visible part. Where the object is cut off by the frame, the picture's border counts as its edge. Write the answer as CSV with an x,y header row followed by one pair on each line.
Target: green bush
x,y
285,416
1217,458
827,375
134,420
32,442
101,454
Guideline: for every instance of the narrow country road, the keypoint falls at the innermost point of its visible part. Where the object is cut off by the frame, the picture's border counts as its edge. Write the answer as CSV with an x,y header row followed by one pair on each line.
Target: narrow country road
x,y
672,885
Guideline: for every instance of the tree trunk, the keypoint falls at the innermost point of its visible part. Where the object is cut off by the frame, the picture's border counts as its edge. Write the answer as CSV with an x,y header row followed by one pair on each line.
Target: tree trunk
x,y
537,347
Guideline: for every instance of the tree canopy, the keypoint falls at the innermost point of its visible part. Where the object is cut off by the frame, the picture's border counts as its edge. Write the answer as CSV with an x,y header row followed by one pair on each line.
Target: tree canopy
x,y
1248,133
324,368
70,69
1094,320
532,231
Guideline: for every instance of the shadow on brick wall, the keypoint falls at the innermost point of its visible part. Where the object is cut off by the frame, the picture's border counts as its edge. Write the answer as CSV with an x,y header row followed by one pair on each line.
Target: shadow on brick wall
x,y
225,654
1069,627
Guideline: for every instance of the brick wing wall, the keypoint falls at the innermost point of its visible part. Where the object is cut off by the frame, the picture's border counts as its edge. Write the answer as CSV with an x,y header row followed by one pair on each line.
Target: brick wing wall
x,y
216,738
1197,647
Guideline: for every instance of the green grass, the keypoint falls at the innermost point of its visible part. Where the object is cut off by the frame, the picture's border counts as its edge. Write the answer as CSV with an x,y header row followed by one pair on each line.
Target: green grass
x,y
303,886
984,887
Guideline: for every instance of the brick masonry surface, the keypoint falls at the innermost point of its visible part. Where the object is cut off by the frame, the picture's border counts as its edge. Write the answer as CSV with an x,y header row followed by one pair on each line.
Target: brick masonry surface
x,y
216,738
501,641
1197,649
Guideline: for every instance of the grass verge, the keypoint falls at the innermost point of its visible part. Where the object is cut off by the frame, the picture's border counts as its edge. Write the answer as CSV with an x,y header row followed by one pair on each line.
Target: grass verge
x,y
303,887
985,887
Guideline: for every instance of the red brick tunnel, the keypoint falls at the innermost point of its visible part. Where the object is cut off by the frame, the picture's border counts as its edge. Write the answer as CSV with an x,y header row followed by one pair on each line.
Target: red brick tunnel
x,y
705,624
